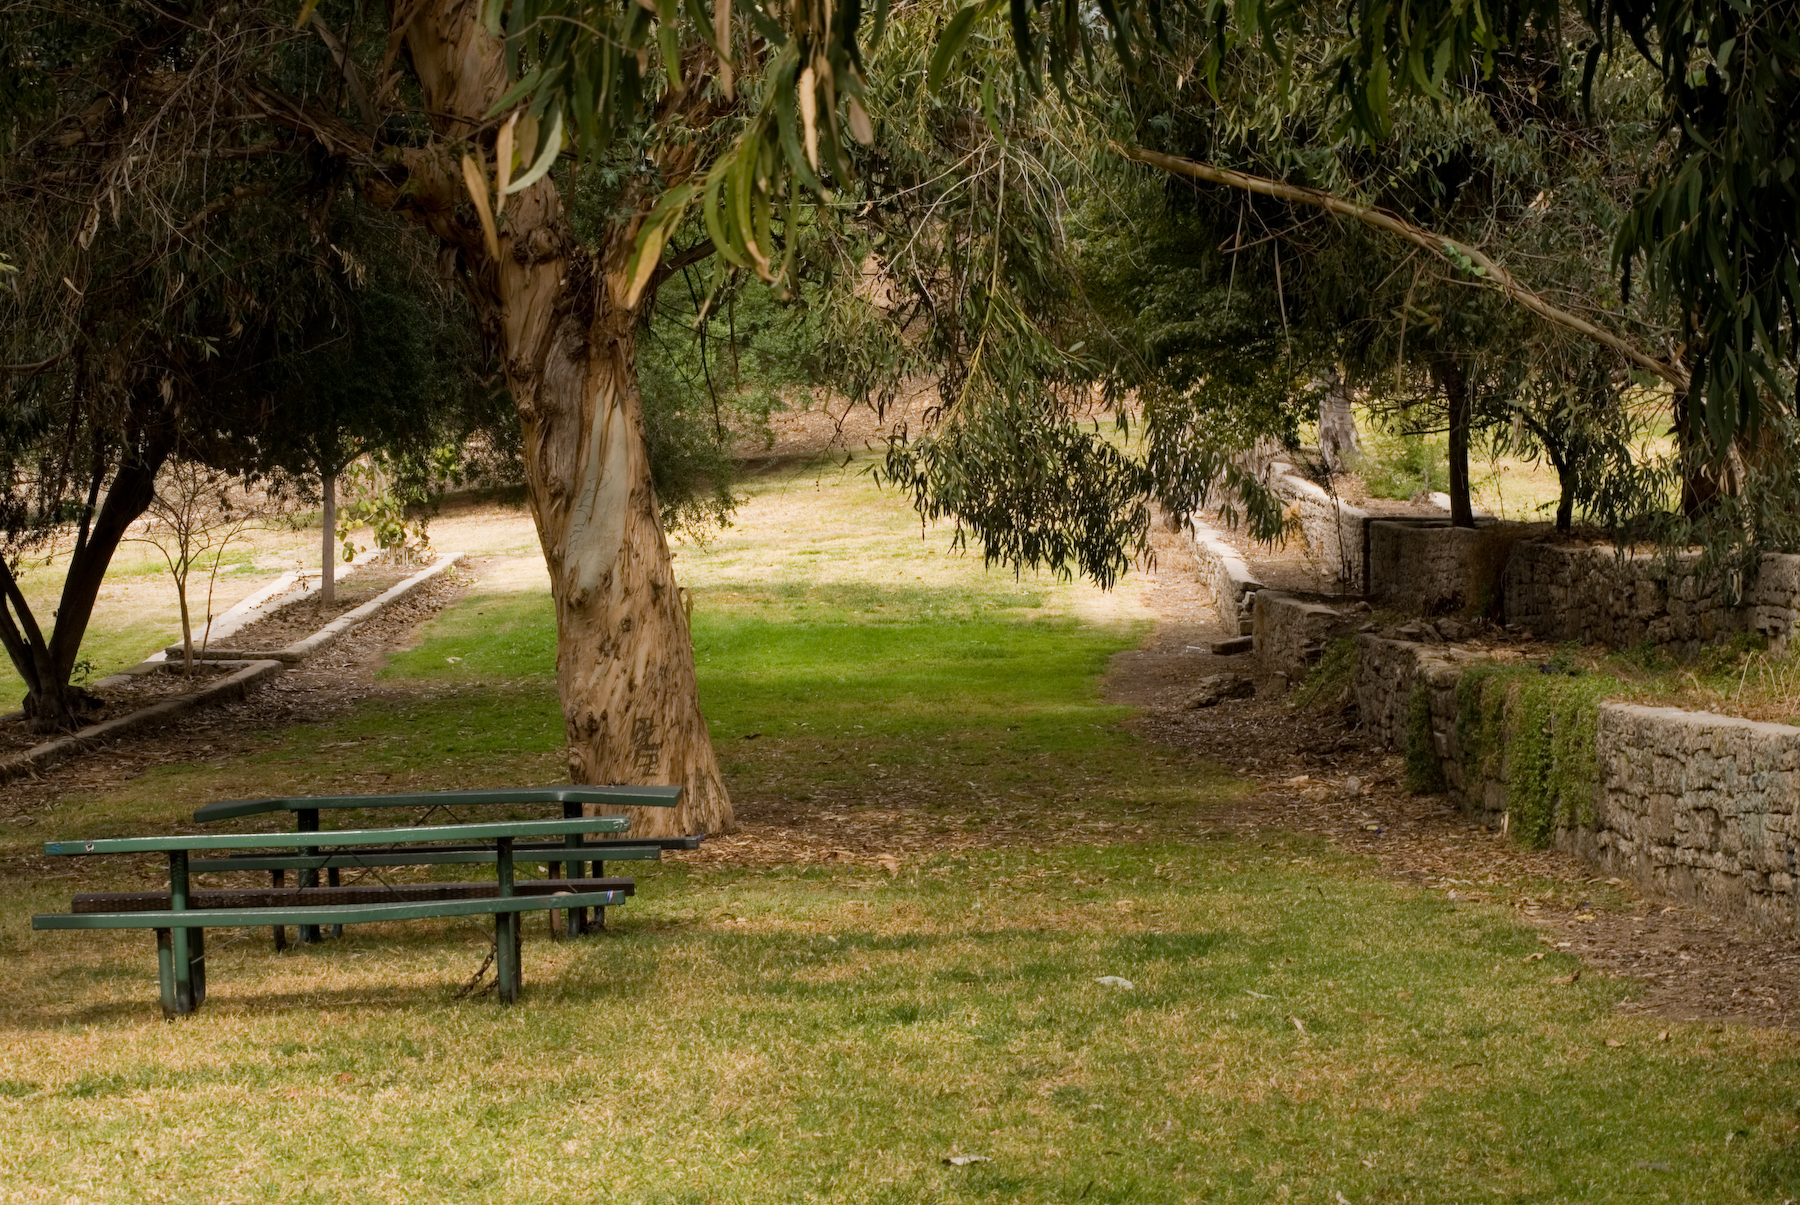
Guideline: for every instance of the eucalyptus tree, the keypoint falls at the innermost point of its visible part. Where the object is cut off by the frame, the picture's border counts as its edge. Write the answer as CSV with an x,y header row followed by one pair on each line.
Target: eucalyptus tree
x,y
1391,255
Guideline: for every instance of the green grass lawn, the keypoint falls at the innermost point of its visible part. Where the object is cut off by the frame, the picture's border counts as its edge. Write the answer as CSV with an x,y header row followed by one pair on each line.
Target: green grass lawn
x,y
1296,1029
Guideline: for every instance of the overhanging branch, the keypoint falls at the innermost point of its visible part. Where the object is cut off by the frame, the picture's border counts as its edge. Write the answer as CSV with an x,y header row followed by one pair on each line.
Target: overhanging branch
x,y
1436,244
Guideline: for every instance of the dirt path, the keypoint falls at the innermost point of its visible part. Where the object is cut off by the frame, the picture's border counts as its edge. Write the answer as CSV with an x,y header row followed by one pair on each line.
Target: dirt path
x,y
1317,773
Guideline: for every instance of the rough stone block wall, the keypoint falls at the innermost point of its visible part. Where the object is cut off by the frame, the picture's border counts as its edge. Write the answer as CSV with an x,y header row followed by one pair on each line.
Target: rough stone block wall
x,y
1772,604
1695,805
1291,633
1436,569
1701,807
1594,595
1330,530
1386,671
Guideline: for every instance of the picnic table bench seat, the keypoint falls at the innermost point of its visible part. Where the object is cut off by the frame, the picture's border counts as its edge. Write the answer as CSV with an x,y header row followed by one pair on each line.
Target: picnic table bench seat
x,y
572,800
355,893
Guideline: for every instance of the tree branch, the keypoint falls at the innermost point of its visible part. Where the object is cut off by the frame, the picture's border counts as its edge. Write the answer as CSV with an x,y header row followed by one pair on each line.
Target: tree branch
x,y
37,366
1436,244
682,259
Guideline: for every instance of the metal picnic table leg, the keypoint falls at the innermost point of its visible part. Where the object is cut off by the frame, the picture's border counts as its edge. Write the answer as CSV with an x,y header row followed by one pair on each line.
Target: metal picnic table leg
x,y
576,917
506,928
331,879
181,939
197,964
309,823
278,879
600,912
165,971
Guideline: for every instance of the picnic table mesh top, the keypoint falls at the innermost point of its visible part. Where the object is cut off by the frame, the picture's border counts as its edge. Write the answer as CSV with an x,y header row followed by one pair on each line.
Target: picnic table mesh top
x,y
616,796
350,836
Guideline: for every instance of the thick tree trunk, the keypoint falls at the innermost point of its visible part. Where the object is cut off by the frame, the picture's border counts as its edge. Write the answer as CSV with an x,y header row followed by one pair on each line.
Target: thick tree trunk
x,y
624,655
625,658
328,542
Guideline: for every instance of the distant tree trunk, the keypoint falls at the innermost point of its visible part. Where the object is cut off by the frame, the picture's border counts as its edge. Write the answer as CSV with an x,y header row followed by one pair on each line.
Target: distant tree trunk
x,y
624,655
187,624
1565,501
1700,486
1455,384
328,551
1337,425
45,664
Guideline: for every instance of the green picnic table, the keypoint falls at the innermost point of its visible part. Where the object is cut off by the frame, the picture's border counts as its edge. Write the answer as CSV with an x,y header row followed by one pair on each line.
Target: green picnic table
x,y
180,928
181,915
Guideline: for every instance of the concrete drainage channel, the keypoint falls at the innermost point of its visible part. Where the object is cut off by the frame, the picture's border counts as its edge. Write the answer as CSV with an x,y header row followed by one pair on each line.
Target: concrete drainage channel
x,y
250,669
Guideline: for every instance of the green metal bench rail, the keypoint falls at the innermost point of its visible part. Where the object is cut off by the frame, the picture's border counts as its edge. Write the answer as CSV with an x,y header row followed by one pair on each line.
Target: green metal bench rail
x,y
647,849
340,837
355,893
419,856
620,796
346,914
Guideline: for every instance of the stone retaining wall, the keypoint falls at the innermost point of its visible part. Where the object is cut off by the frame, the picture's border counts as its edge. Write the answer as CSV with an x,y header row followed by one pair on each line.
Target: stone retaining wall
x,y
1292,633
1700,807
1597,596
1432,568
1695,805
1225,575
1331,530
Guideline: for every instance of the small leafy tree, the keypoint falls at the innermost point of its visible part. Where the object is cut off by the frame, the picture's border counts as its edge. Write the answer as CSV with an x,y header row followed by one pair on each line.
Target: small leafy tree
x,y
389,504
195,516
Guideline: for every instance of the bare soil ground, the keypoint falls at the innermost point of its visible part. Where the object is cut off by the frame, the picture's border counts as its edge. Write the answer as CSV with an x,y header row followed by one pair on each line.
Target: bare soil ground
x,y
326,686
280,628
304,616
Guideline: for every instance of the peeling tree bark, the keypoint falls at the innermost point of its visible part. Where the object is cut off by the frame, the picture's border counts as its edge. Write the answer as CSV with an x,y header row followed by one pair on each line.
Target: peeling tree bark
x,y
624,660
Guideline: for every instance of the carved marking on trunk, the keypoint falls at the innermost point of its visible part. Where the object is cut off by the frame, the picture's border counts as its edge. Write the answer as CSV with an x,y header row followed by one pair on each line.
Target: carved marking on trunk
x,y
646,750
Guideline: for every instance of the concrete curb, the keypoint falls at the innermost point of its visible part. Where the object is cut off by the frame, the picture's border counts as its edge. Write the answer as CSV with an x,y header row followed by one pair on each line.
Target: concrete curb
x,y
255,672
50,753
1226,575
329,635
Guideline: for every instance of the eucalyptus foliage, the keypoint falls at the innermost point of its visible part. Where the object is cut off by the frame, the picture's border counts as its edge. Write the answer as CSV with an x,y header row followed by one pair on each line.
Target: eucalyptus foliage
x,y
1714,218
